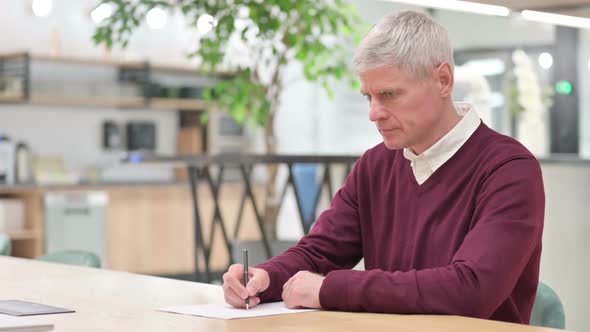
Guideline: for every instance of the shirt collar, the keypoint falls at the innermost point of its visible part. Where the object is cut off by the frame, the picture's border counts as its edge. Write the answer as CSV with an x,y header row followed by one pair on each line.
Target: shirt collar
x,y
434,157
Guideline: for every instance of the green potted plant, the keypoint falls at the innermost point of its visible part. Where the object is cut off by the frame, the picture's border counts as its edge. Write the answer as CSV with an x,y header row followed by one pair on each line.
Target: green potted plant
x,y
275,33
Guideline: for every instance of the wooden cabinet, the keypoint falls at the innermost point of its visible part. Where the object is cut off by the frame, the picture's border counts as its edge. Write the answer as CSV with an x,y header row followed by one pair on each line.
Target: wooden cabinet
x,y
150,228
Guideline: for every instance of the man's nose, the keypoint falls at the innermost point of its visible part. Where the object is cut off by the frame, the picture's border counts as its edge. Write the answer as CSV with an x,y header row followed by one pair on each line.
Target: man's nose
x,y
377,112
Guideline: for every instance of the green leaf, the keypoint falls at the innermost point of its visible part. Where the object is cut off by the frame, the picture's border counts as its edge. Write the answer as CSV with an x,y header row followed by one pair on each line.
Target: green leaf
x,y
346,30
240,113
207,94
204,118
328,89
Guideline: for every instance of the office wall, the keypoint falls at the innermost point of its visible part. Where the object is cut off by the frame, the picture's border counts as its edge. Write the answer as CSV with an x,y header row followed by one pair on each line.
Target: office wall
x,y
564,261
583,90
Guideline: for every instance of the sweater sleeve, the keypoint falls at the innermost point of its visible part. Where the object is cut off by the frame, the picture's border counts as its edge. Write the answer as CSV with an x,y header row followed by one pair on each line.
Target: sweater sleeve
x,y
508,226
333,243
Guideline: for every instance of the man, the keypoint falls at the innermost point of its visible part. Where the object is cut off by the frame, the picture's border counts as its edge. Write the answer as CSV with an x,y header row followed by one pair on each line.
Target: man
x,y
447,213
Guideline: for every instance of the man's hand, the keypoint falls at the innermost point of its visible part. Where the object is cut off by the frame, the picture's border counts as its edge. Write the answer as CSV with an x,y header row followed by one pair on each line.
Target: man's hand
x,y
303,290
234,291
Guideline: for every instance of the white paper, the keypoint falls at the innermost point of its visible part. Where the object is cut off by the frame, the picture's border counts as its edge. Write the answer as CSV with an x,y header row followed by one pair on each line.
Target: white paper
x,y
226,311
10,323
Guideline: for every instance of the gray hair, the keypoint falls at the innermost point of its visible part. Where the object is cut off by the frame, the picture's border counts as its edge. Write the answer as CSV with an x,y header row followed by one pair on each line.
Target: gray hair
x,y
410,40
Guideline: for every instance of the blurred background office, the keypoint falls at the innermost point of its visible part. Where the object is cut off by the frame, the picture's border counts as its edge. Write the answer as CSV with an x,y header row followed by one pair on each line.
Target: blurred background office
x,y
78,120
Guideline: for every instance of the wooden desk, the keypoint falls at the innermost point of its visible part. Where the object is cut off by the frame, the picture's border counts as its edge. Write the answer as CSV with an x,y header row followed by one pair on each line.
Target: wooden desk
x,y
120,301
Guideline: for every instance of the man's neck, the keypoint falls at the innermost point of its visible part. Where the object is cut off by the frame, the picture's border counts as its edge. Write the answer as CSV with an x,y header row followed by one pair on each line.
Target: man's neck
x,y
449,120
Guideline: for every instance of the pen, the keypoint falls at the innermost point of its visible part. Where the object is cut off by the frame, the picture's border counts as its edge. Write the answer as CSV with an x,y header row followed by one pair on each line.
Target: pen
x,y
246,277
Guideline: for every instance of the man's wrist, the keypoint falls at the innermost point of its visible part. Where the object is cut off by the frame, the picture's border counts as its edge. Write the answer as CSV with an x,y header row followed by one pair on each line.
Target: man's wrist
x,y
268,279
268,294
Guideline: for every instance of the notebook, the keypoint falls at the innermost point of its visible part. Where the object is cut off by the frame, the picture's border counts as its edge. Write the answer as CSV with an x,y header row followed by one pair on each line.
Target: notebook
x,y
22,324
24,308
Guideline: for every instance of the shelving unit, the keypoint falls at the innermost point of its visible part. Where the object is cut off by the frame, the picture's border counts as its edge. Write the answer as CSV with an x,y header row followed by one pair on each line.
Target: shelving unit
x,y
17,67
92,85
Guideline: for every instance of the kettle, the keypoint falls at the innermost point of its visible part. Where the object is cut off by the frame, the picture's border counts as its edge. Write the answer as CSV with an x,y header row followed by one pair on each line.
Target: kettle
x,y
23,169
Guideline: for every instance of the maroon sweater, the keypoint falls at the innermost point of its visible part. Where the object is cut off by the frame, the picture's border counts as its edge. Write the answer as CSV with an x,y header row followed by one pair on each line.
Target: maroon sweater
x,y
465,242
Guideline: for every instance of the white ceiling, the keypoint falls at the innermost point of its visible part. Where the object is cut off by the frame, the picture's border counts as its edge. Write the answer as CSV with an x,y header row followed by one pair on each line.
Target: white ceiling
x,y
568,7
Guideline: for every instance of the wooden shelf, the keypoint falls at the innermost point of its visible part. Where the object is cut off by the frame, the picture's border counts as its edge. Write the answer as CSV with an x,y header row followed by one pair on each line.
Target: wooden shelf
x,y
176,69
12,55
178,104
138,64
91,101
88,61
23,235
189,70
11,99
107,101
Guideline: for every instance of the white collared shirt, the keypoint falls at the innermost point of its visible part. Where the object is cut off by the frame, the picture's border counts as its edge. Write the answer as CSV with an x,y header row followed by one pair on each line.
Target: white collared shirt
x,y
425,164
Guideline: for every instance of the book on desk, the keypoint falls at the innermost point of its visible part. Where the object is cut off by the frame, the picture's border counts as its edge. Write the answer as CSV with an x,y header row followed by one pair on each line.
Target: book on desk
x,y
22,324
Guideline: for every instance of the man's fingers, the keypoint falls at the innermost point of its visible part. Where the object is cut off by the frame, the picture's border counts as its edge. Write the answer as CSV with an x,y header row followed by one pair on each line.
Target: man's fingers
x,y
258,283
290,281
254,285
233,299
286,294
233,281
234,291
290,303
254,301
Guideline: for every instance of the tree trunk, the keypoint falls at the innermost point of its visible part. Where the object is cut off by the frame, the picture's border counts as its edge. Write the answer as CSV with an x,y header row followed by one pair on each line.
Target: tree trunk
x,y
272,194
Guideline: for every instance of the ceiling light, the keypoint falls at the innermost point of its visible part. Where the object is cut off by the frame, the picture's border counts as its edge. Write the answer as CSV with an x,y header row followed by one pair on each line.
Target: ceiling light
x,y
205,23
101,12
463,6
545,60
42,8
156,18
570,21
588,64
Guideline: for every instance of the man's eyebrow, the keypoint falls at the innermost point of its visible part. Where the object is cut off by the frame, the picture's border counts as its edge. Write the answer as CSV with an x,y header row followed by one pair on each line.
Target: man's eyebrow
x,y
394,91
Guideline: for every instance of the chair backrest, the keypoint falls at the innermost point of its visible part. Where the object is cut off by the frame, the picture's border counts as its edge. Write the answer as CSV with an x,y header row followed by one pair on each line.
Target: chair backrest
x,y
73,257
256,252
5,246
548,309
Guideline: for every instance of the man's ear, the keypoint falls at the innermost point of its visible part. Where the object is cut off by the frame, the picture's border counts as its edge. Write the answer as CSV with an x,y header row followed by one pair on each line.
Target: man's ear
x,y
445,79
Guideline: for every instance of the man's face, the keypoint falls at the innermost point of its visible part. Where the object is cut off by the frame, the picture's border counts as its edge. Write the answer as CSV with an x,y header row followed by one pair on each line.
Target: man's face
x,y
404,109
